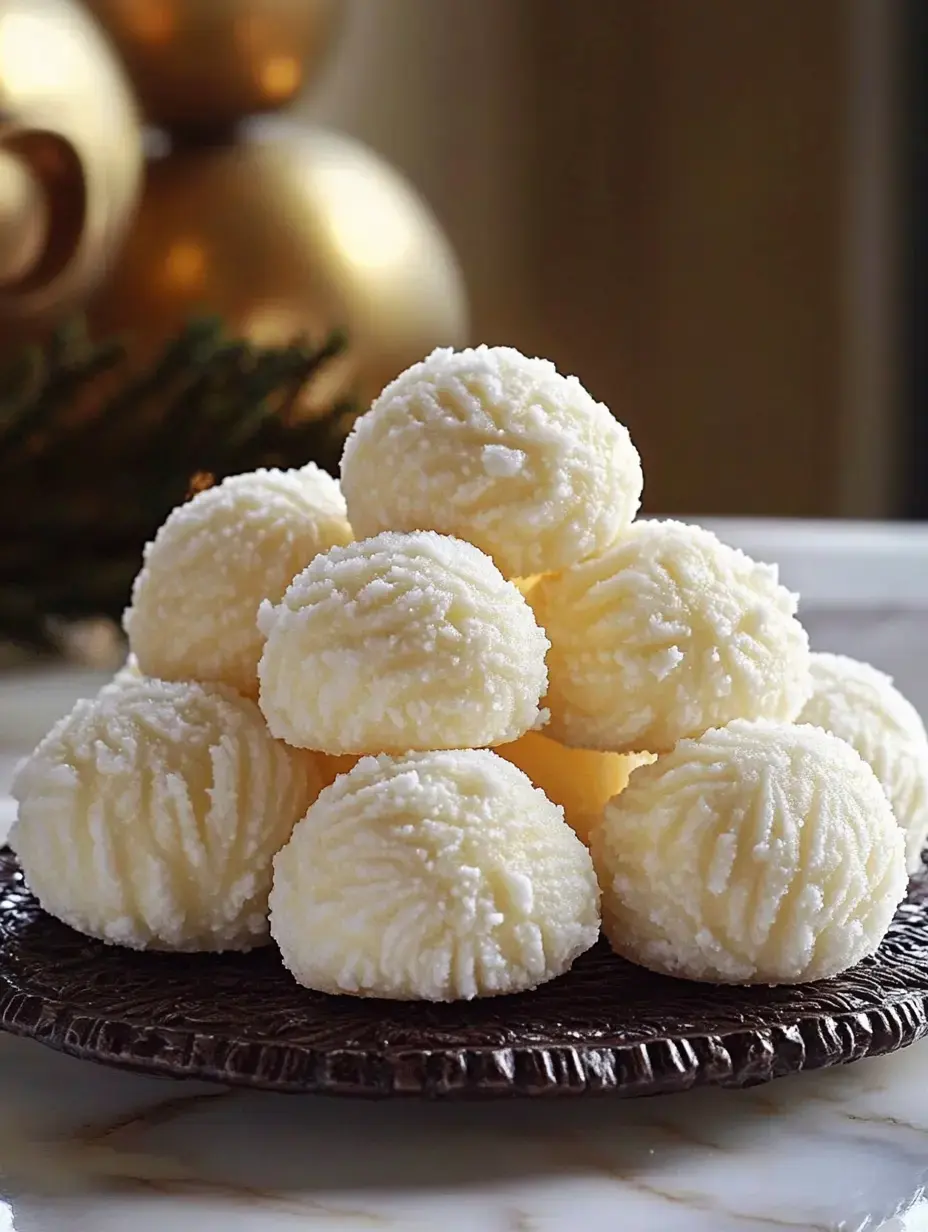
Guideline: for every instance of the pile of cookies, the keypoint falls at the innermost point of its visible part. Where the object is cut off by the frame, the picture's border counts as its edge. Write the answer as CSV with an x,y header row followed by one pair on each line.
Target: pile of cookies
x,y
432,727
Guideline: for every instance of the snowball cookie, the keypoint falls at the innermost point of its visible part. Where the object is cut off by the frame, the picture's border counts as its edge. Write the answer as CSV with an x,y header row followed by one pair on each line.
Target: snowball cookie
x,y
195,601
668,633
860,704
759,853
149,817
128,674
579,780
434,877
498,449
401,642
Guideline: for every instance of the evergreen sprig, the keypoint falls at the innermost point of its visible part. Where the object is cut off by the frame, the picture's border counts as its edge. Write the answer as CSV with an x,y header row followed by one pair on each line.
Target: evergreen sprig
x,y
94,454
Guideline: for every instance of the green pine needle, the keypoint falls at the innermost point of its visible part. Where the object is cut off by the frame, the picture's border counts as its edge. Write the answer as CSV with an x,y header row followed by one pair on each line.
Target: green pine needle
x,y
94,455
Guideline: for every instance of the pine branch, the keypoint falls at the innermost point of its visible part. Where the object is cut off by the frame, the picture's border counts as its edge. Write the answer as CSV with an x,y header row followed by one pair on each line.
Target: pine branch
x,y
95,454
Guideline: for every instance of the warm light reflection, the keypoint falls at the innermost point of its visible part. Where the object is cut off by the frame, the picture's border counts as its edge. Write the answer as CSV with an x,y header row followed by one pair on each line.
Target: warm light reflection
x,y
370,222
279,77
185,265
199,482
31,62
151,21
275,324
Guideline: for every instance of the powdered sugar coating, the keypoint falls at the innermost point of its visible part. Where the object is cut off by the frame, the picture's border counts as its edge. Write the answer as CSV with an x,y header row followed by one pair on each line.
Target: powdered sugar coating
x,y
129,673
498,449
150,816
667,634
433,876
862,706
195,601
759,853
401,642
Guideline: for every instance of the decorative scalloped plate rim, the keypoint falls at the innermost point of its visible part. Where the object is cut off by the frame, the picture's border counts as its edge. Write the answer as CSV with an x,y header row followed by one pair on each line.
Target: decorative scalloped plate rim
x,y
605,1028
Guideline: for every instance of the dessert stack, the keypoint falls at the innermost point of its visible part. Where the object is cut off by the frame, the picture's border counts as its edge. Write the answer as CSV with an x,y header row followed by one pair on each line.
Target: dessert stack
x,y
431,727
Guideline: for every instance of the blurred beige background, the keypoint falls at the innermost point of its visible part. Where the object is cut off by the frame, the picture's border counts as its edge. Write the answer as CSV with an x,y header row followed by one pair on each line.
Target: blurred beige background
x,y
690,205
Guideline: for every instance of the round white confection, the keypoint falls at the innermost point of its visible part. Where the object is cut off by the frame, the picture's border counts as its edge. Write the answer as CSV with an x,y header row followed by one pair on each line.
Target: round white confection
x,y
129,673
195,601
759,853
860,704
498,449
435,877
401,642
150,817
667,634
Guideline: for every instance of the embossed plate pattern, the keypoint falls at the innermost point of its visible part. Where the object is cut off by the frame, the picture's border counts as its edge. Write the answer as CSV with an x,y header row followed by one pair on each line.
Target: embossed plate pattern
x,y
607,1027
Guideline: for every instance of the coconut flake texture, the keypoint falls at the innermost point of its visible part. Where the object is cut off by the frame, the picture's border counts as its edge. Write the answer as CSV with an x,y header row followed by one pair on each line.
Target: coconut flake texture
x,y
760,853
435,877
150,816
194,604
401,642
129,673
579,780
666,635
860,704
498,449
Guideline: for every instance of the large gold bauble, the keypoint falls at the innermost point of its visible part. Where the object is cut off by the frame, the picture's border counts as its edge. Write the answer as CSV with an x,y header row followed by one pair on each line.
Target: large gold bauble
x,y
203,64
289,230
70,159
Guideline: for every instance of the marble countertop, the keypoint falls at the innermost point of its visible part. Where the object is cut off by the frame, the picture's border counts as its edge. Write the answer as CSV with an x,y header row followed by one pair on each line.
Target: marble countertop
x,y
83,1149
86,1149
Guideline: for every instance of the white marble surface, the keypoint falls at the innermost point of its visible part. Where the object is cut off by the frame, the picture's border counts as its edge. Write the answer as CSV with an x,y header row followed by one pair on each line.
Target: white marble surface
x,y
85,1149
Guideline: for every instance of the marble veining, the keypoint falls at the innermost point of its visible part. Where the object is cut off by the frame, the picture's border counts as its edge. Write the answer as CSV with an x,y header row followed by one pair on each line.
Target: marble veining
x,y
85,1149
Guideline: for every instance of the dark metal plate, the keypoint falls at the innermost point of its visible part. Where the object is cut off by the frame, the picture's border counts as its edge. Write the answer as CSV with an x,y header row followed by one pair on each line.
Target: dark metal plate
x,y
607,1027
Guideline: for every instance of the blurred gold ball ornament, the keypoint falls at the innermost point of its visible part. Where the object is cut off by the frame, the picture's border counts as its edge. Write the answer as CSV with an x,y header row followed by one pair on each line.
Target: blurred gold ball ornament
x,y
204,64
286,230
70,159
281,229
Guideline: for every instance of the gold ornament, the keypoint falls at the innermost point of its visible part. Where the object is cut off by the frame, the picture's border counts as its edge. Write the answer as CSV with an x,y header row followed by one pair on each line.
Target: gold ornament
x,y
23,219
289,230
279,228
204,64
70,158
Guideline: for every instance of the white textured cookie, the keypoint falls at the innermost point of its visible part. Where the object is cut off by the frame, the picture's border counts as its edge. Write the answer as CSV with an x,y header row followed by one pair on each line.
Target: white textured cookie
x,y
496,448
760,853
667,634
401,642
862,706
435,877
195,601
149,817
128,674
